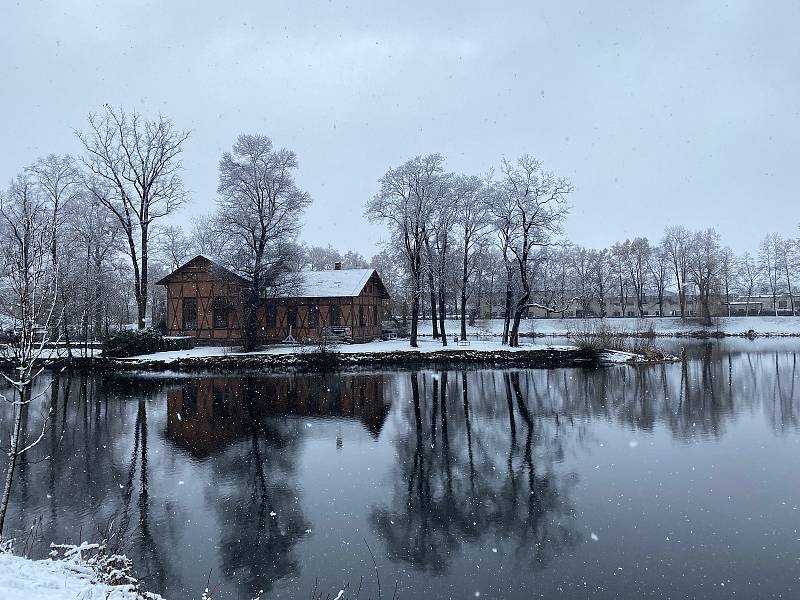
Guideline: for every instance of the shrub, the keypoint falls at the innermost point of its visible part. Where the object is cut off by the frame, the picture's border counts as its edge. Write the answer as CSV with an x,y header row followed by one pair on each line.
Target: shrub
x,y
594,336
600,336
146,341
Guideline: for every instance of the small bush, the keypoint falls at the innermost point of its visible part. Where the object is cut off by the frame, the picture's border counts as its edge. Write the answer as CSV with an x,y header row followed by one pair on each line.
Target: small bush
x,y
591,335
146,341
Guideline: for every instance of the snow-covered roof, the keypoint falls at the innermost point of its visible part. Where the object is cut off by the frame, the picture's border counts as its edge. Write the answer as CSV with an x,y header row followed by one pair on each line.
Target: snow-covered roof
x,y
342,283
338,283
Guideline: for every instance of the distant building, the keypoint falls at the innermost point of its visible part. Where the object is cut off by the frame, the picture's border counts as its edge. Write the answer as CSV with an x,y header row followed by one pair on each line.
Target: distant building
x,y
206,301
762,304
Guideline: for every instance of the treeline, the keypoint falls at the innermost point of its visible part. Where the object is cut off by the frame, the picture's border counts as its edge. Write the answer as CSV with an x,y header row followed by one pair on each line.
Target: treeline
x,y
85,237
477,247
685,272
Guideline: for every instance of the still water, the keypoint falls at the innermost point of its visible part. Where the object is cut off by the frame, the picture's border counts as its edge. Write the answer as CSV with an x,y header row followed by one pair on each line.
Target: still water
x,y
669,481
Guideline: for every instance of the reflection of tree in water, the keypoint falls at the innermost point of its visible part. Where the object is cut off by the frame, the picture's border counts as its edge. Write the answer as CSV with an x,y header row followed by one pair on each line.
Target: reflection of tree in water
x,y
74,483
246,425
693,398
263,520
453,489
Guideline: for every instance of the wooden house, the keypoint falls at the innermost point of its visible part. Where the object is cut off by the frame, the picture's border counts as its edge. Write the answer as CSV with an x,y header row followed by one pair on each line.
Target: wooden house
x,y
206,301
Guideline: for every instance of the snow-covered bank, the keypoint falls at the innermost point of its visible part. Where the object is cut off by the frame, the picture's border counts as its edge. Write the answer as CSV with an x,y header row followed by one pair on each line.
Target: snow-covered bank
x,y
661,326
425,346
395,353
68,578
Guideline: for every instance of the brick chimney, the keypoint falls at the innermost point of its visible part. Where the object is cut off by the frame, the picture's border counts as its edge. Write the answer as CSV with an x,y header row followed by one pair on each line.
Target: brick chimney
x,y
337,266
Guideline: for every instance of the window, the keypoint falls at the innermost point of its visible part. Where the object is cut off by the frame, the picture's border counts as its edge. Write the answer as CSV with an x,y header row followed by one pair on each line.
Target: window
x,y
362,316
291,316
220,313
271,315
313,316
782,304
189,314
336,314
616,313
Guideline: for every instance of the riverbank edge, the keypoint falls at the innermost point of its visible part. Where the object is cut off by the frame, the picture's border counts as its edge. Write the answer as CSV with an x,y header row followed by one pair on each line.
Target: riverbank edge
x,y
543,358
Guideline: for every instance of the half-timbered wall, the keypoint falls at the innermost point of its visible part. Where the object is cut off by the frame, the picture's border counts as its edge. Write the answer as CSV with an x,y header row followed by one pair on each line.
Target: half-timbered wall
x,y
370,301
200,283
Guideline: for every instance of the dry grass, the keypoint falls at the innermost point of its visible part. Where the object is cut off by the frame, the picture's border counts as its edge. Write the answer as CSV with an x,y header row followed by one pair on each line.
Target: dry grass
x,y
598,335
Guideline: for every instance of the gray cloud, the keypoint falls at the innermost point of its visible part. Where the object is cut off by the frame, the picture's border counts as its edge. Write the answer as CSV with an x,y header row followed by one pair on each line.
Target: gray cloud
x,y
677,113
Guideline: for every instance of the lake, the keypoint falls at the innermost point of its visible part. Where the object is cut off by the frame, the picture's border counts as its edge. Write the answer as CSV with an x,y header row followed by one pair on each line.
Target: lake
x,y
668,481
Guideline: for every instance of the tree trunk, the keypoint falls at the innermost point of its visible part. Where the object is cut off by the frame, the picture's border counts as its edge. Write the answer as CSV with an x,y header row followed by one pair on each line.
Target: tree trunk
x,y
442,312
507,315
514,334
464,277
415,310
434,316
251,320
13,453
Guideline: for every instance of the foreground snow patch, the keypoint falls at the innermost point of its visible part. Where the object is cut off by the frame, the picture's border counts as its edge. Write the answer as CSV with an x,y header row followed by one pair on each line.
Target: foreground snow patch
x,y
64,579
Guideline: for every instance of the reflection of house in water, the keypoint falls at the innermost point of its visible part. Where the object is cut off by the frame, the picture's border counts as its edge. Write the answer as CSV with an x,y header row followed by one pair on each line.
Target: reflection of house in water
x,y
207,414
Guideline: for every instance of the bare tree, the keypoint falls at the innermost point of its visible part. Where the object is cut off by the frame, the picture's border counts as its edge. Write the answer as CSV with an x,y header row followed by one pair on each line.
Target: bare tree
x,y
441,231
471,217
133,167
636,254
207,238
727,274
260,207
600,274
94,230
658,266
704,267
539,207
173,245
26,234
620,273
501,207
768,257
676,244
749,274
58,181
580,265
788,259
406,201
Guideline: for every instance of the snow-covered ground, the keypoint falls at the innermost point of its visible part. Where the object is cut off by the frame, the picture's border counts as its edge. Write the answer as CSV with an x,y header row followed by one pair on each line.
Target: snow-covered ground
x,y
53,353
666,326
26,579
376,347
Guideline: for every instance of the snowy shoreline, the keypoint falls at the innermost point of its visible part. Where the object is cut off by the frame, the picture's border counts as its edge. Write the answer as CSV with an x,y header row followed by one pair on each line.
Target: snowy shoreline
x,y
381,354
67,578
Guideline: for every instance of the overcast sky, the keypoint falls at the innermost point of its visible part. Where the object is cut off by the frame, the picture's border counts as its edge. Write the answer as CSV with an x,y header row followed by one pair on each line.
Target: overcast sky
x,y
659,113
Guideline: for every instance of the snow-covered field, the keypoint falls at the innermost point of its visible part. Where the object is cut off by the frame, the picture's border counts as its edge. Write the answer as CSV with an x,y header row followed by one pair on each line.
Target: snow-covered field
x,y
666,326
26,579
